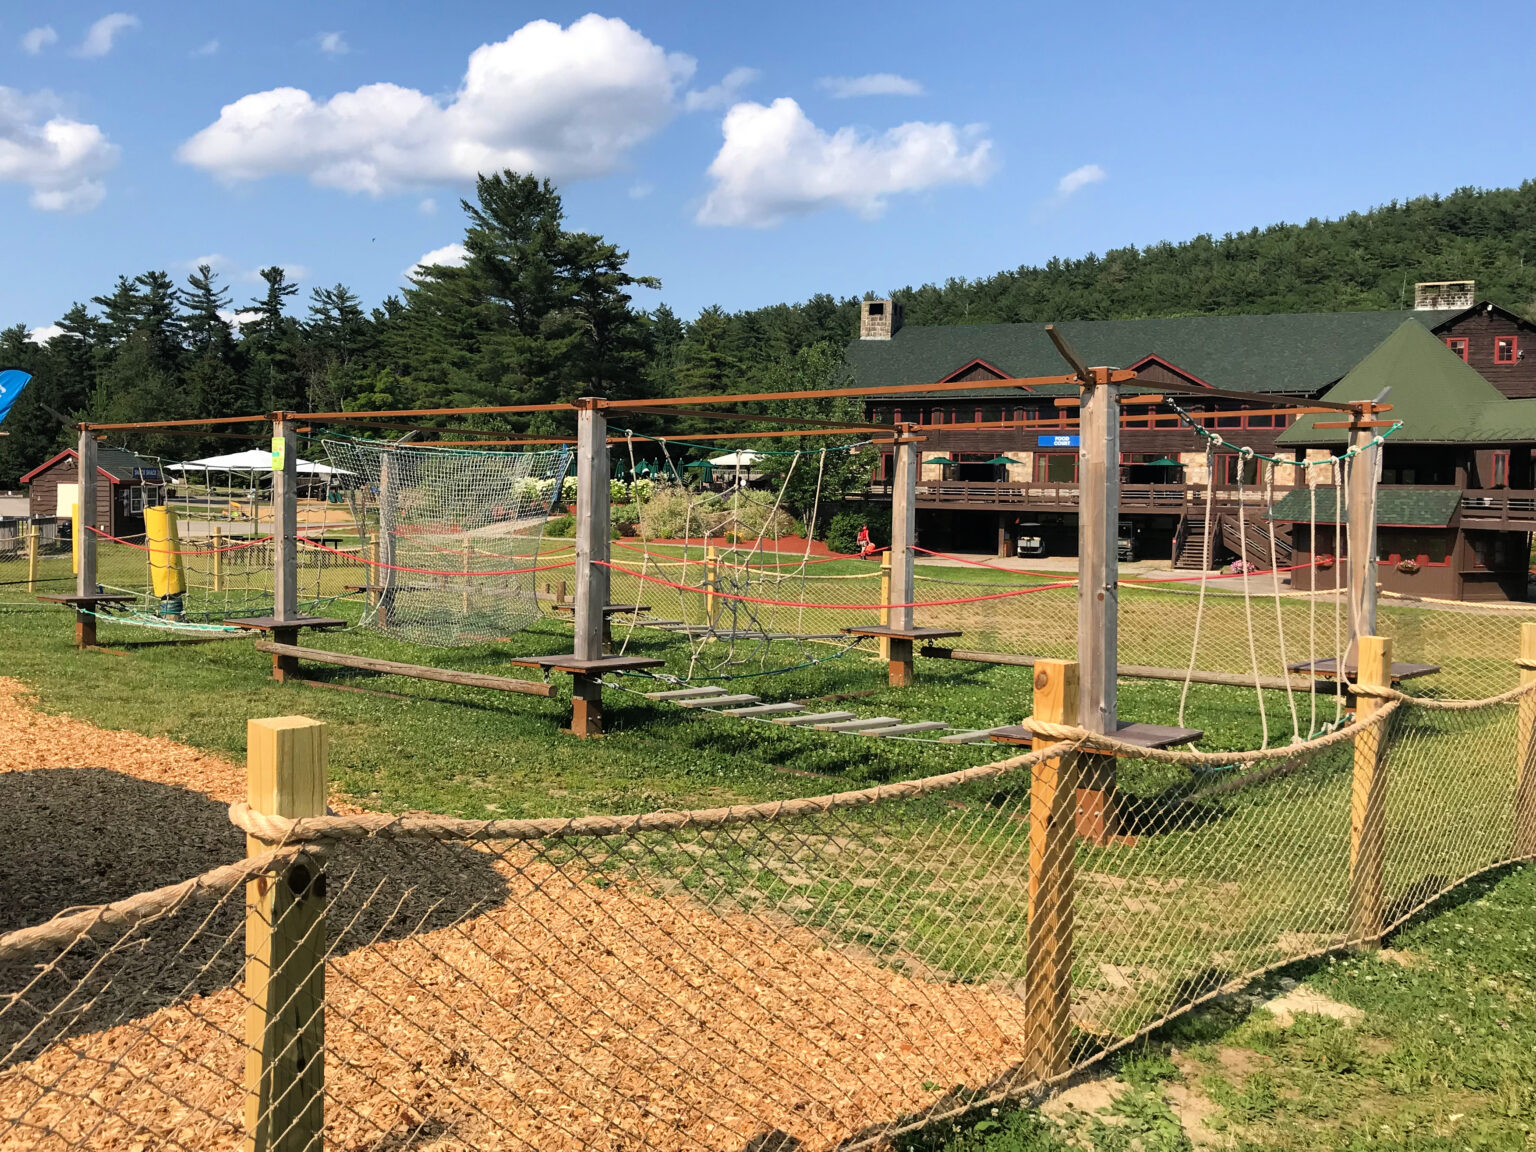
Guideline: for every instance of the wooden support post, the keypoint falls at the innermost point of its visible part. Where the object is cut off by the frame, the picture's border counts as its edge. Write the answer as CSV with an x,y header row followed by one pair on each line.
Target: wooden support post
x,y
285,667
388,517
1361,530
1052,879
1525,767
1098,597
711,582
885,598
586,705
1368,801
285,519
34,542
373,572
285,947
217,556
592,515
903,553
85,519
1098,521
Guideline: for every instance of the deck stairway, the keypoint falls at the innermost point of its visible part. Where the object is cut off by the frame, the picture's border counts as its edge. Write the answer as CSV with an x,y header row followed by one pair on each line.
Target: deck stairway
x,y
1192,545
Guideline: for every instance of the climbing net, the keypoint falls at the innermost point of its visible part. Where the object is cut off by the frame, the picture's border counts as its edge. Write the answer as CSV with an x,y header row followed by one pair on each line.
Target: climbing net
x,y
457,532
738,568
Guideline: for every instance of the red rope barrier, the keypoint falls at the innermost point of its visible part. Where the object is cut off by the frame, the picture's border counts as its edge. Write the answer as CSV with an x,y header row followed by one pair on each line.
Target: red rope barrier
x,y
178,551
851,607
775,564
433,571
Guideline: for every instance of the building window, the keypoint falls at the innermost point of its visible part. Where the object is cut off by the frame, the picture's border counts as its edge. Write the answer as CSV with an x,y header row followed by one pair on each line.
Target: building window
x,y
1056,467
1424,545
1506,349
1261,420
1234,469
1501,469
1458,345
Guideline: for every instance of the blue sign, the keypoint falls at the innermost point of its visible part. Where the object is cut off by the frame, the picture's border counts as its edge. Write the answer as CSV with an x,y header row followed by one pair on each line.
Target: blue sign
x,y
1059,441
12,381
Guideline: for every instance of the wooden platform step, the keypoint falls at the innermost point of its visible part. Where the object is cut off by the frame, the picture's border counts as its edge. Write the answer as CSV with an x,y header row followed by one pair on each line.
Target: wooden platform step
x,y
908,729
766,710
715,701
685,693
814,718
859,725
974,736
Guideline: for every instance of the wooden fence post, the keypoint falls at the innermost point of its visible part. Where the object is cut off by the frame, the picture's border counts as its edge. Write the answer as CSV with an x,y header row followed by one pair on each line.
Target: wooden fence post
x,y
1052,881
1368,800
217,537
592,577
371,572
1525,768
34,541
885,598
285,947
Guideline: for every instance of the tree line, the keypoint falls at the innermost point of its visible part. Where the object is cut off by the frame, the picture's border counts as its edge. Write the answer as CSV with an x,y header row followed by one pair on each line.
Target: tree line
x,y
538,313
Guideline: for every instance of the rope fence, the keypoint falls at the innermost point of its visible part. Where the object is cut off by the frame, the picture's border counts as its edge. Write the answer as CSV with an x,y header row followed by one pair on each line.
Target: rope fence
x,y
816,973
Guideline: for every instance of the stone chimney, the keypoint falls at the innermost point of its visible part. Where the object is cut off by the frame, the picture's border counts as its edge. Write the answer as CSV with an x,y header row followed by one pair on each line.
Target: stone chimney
x,y
1439,294
879,319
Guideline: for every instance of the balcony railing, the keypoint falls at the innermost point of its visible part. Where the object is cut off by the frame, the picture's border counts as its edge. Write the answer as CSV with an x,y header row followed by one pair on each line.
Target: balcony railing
x,y
1497,508
1007,493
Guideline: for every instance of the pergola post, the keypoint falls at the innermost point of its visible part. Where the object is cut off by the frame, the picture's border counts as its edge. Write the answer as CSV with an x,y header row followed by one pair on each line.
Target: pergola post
x,y
592,515
85,538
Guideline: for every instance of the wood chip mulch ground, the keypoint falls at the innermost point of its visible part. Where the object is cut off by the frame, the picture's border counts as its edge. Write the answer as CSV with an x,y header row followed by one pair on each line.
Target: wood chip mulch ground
x,y
545,1010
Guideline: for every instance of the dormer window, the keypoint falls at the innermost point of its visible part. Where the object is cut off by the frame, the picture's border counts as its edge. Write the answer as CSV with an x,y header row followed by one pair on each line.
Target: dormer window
x,y
1458,345
1506,349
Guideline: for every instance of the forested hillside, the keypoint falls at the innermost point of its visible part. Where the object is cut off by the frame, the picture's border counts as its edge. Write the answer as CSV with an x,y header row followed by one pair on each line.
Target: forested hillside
x,y
540,313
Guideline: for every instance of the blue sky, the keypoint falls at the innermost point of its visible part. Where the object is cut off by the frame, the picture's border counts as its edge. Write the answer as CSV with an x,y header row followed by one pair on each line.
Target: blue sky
x,y
744,153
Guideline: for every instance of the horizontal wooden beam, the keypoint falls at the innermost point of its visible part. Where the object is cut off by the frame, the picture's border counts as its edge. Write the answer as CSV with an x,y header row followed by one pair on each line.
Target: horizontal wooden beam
x,y
179,423
669,411
414,671
1116,376
1359,423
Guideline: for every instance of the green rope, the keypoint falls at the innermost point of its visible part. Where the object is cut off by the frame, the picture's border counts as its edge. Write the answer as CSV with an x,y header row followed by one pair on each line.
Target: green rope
x,y
1216,440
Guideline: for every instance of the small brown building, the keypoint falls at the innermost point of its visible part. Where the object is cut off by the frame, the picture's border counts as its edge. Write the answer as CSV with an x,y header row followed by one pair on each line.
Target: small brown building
x,y
126,484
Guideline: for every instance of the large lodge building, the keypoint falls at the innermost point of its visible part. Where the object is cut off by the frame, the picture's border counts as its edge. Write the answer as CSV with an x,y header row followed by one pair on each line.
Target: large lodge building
x,y
1457,503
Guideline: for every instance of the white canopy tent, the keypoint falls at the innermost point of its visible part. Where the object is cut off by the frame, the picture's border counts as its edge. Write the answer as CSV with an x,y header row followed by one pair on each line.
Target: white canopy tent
x,y
746,458
254,460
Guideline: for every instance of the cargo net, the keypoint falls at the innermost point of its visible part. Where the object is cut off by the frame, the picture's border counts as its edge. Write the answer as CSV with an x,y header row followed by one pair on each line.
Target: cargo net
x,y
456,537
810,974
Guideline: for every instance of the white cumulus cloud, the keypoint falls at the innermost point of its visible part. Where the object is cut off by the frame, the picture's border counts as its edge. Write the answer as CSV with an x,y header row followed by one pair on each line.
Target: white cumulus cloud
x,y
332,44
453,255
36,39
102,35
1079,178
45,334
721,94
59,159
875,84
562,102
775,163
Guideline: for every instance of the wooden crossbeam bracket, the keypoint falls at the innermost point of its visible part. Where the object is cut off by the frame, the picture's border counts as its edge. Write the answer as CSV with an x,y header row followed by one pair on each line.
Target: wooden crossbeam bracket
x,y
1084,374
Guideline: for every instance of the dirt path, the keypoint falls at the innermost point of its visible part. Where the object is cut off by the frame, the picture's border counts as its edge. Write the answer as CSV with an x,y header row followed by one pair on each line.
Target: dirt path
x,y
477,998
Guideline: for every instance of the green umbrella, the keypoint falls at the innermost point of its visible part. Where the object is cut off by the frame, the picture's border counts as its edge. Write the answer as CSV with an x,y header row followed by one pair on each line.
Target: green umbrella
x,y
1166,463
1001,460
706,469
644,469
939,460
620,469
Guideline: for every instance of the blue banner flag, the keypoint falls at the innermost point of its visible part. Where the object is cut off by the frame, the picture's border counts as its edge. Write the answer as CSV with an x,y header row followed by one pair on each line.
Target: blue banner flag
x,y
12,381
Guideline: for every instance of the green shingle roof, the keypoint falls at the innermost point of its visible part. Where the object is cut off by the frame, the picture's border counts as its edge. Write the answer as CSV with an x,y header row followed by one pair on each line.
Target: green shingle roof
x,y
1439,398
1293,353
1395,507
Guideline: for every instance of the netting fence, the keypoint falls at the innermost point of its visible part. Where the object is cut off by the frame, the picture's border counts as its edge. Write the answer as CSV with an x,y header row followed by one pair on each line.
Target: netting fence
x,y
817,973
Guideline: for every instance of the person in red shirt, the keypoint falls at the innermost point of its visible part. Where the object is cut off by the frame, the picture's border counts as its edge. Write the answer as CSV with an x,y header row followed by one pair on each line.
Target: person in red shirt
x,y
866,545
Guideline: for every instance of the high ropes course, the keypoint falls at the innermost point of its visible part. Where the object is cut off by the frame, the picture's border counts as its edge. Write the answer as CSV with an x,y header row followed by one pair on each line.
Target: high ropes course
x,y
445,542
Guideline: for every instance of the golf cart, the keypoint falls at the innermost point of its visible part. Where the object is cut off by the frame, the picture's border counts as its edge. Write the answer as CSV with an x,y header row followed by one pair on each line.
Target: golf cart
x,y
1125,541
1030,540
